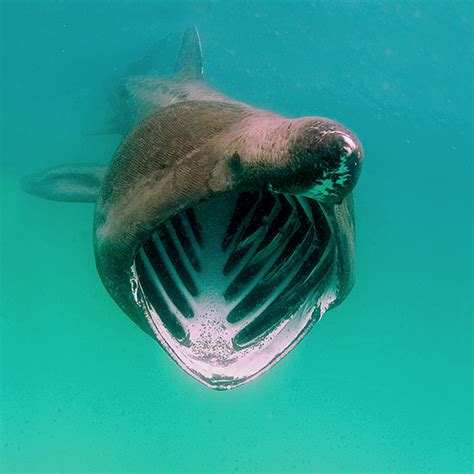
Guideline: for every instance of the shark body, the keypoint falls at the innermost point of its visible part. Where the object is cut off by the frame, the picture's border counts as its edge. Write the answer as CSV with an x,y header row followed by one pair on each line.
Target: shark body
x,y
223,231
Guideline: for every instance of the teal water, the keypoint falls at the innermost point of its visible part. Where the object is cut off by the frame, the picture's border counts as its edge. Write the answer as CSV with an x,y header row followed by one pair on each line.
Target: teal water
x,y
383,383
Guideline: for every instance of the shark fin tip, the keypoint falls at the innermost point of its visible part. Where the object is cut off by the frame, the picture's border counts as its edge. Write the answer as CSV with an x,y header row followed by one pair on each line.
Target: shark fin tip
x,y
189,65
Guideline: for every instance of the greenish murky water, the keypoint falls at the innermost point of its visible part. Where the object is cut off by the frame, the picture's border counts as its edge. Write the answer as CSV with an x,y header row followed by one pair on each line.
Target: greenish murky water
x,y
383,383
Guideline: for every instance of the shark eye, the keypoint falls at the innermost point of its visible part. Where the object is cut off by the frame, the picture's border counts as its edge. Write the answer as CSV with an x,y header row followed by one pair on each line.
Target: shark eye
x,y
233,283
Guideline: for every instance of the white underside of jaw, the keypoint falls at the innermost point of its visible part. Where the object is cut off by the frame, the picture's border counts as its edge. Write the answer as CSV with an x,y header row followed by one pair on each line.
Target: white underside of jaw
x,y
209,351
211,357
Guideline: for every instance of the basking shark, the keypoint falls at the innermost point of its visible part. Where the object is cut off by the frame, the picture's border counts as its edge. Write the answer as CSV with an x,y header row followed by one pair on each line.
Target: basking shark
x,y
224,231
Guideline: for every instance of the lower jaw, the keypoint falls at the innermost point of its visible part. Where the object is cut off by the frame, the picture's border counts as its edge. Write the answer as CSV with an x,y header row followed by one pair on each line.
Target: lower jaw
x,y
232,285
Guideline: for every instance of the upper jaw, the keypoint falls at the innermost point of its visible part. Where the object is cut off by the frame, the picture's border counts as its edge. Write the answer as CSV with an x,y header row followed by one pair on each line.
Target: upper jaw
x,y
225,297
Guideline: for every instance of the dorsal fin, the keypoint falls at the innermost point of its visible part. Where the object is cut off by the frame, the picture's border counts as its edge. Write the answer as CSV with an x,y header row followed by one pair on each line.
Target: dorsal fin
x,y
189,64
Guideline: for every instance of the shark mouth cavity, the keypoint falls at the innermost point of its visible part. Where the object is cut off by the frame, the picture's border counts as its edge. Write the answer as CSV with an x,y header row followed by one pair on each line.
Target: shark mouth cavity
x,y
233,284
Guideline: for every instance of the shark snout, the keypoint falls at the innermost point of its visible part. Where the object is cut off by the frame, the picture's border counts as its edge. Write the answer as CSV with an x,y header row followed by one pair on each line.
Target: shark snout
x,y
337,168
326,160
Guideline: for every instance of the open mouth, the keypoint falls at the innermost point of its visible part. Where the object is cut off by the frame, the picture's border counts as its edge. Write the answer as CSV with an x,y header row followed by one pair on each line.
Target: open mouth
x,y
232,284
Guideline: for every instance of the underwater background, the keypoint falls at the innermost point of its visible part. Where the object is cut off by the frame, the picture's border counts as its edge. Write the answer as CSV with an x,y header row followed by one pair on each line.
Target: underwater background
x,y
383,383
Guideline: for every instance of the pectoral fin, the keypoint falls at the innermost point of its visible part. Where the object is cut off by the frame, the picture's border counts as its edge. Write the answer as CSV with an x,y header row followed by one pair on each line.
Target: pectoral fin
x,y
68,183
